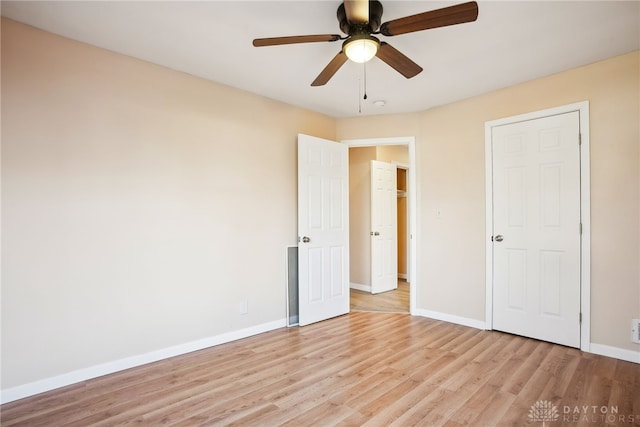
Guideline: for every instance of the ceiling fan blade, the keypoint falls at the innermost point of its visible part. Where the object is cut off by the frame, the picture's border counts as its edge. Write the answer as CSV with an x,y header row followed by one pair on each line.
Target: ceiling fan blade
x,y
273,41
458,14
357,11
331,68
398,60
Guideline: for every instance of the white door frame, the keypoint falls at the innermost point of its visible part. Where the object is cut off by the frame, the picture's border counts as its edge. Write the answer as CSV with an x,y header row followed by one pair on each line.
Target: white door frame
x,y
585,216
410,142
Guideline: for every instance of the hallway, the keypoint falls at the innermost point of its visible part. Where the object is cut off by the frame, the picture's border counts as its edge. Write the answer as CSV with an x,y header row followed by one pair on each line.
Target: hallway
x,y
396,301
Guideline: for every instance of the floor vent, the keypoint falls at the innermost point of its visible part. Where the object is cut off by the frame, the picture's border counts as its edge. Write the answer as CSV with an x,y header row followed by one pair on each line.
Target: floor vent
x,y
292,286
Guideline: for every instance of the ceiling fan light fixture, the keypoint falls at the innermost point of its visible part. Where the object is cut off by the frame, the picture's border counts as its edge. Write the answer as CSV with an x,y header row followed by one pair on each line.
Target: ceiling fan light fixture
x,y
361,48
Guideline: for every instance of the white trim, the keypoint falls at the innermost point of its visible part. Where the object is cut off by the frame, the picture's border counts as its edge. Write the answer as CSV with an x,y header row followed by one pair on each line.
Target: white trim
x,y
403,276
445,317
615,352
372,142
360,287
409,141
585,213
30,389
585,209
488,167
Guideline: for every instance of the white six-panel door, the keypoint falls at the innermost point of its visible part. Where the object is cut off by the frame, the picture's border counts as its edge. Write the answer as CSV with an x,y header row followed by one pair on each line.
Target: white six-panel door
x,y
384,228
536,230
323,229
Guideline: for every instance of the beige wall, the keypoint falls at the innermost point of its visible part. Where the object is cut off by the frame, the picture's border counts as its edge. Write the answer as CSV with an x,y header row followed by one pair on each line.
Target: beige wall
x,y
451,173
139,205
398,154
360,214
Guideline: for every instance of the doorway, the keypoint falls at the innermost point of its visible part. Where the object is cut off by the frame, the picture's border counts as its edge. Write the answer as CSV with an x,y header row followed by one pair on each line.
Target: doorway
x,y
399,152
538,225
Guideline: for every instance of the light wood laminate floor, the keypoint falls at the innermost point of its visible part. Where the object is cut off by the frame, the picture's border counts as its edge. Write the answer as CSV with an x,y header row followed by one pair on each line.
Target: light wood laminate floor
x,y
361,369
396,301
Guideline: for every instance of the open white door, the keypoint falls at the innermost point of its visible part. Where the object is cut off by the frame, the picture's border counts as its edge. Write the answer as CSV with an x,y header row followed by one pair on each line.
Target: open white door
x,y
323,229
384,227
536,227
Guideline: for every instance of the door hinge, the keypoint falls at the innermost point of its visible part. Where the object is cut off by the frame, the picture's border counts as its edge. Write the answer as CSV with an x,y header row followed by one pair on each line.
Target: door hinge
x,y
580,228
579,139
580,317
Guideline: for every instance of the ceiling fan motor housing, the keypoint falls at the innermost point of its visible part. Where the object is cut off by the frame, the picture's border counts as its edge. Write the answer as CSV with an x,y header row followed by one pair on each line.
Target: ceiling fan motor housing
x,y
375,19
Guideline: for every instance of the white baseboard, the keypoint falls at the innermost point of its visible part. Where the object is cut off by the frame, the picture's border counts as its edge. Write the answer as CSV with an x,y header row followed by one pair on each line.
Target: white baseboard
x,y
458,320
360,287
615,352
36,387
402,276
599,349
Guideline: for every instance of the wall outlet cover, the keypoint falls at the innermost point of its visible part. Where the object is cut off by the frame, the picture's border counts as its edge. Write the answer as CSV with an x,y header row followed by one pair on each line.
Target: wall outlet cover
x,y
244,307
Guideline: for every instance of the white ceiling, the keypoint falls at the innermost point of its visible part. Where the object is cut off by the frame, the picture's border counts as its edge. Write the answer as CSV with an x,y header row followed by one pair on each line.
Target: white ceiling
x,y
511,42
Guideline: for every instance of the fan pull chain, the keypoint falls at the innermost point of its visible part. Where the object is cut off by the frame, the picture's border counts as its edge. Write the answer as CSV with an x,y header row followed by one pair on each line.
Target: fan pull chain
x,y
364,66
363,87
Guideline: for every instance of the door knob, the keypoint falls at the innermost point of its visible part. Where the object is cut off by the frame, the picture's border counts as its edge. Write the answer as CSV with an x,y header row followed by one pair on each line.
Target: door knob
x,y
375,233
499,238
305,239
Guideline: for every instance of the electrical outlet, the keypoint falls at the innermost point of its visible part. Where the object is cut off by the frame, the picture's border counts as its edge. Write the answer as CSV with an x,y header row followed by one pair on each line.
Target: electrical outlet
x,y
244,307
635,331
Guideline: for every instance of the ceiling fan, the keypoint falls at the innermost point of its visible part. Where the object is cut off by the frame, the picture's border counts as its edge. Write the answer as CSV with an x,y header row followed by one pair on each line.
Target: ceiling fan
x,y
360,20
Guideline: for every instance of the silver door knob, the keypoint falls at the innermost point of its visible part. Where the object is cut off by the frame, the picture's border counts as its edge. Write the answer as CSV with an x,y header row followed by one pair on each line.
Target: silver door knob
x,y
499,238
305,239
